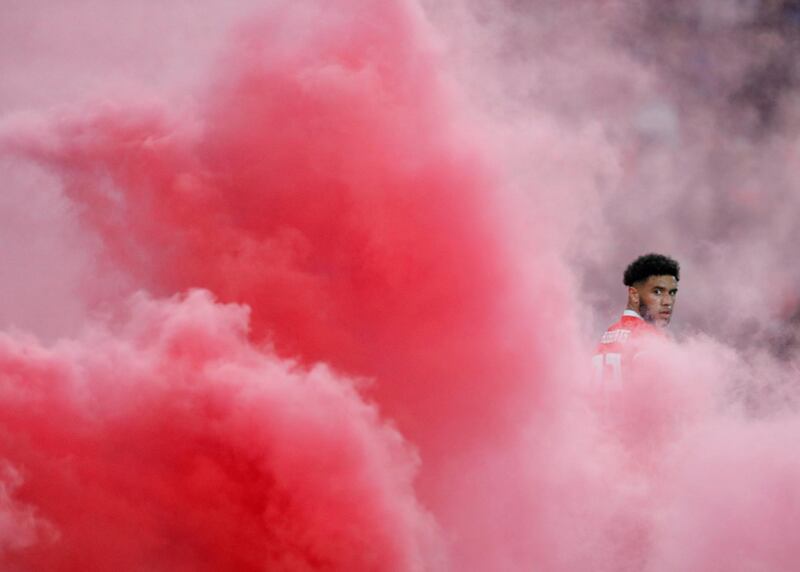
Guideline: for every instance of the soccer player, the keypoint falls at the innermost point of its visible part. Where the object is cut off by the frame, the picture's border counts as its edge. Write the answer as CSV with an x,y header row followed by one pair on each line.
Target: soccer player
x,y
652,282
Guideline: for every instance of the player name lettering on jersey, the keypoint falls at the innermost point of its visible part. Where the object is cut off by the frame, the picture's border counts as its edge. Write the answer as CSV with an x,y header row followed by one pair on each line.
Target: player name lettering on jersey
x,y
615,336
617,351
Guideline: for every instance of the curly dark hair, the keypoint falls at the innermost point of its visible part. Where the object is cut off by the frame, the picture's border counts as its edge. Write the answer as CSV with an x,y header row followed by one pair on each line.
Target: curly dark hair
x,y
650,265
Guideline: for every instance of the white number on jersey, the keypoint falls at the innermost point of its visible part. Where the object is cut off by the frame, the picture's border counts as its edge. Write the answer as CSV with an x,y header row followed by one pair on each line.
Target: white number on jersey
x,y
607,369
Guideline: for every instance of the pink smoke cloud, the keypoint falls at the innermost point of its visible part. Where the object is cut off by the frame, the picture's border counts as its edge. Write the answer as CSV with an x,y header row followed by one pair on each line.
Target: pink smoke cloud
x,y
169,442
426,209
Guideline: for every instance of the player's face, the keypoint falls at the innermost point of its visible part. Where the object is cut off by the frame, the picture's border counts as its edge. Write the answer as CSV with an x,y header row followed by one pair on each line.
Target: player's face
x,y
657,299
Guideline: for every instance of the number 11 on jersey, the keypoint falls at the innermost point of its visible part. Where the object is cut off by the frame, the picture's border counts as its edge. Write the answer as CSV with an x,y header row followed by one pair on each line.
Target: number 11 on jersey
x,y
607,372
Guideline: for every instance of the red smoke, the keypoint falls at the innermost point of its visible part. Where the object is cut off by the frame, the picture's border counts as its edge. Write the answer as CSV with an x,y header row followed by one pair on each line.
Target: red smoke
x,y
323,182
172,444
390,377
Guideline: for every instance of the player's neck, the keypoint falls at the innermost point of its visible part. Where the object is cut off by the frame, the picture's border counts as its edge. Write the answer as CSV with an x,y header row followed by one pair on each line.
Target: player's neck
x,y
632,312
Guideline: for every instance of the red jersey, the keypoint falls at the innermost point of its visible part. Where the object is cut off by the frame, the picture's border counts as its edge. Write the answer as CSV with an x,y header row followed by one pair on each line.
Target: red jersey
x,y
617,349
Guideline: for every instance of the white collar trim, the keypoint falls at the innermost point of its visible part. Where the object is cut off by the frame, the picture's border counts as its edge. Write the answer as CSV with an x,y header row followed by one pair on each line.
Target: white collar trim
x,y
632,314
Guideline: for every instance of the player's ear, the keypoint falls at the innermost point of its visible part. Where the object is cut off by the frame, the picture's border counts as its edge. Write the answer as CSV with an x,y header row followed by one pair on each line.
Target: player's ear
x,y
633,296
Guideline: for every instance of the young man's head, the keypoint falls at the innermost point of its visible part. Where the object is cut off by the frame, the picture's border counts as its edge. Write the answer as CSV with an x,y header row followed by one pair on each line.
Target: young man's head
x,y
652,282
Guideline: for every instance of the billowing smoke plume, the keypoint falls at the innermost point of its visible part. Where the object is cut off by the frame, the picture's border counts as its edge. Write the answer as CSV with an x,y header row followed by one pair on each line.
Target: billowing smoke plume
x,y
323,297
171,443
